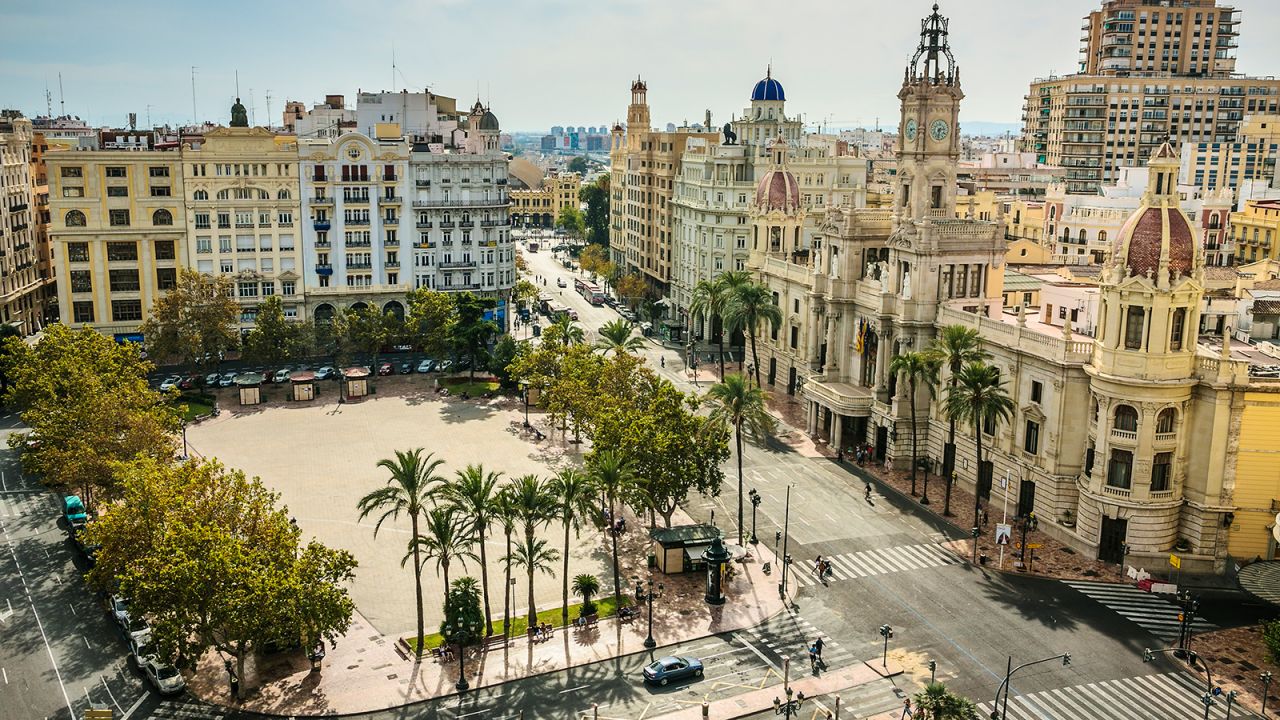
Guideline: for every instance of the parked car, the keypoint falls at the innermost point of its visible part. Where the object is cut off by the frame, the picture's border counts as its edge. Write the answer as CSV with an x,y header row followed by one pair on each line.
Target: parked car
x,y
282,375
668,669
427,365
164,677
444,366
190,382
74,513
212,379
170,383
140,648
386,369
406,368
561,283
137,629
326,373
119,609
227,380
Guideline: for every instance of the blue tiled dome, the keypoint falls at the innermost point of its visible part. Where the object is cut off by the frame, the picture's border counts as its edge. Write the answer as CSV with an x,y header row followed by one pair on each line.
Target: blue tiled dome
x,y
768,89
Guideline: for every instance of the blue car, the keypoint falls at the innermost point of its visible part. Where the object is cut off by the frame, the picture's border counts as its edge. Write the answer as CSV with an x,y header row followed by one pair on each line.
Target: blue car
x,y
667,669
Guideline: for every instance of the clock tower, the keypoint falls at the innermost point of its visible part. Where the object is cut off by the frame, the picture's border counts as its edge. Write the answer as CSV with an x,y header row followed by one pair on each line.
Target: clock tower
x,y
928,133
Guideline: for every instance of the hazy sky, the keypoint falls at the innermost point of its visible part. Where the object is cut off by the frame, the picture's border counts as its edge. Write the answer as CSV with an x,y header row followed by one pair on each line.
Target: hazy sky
x,y
540,62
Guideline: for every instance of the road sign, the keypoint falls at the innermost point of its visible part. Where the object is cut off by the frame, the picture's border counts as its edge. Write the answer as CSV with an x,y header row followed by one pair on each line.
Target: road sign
x,y
1003,532
1175,561
97,714
1034,546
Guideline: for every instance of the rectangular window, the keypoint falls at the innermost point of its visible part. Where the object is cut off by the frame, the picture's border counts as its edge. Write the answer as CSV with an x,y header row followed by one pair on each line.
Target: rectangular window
x,y
122,251
78,252
795,337
160,191
1161,472
1037,391
120,218
82,310
72,192
81,281
1134,318
74,172
161,171
1120,469
166,278
116,171
124,281
117,191
126,310
1031,441
165,251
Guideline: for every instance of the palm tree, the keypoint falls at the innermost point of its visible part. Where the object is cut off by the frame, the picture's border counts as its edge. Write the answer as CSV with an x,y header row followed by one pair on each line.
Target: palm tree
x,y
616,336
612,475
918,368
935,702
586,586
535,506
568,332
978,397
504,512
534,555
748,306
472,492
575,497
412,482
954,347
446,538
708,301
739,405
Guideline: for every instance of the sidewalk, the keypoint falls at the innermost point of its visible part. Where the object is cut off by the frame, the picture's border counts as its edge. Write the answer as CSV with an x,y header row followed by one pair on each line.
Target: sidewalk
x,y
756,701
369,671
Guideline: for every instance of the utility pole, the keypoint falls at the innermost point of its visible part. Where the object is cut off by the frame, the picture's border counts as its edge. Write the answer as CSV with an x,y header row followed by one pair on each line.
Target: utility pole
x,y
62,97
194,115
786,537
268,108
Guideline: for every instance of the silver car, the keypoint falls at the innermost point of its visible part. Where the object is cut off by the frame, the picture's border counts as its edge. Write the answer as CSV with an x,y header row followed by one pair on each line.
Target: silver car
x,y
165,677
281,375
228,379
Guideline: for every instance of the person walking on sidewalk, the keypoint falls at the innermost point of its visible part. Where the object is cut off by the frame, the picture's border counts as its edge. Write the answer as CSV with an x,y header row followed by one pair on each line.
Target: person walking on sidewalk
x,y
817,648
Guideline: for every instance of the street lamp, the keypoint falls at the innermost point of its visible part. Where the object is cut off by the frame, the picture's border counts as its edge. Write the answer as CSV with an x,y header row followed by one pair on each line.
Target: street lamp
x,y
755,503
925,464
524,388
1027,523
1266,684
1003,712
886,632
790,708
644,595
185,453
1193,659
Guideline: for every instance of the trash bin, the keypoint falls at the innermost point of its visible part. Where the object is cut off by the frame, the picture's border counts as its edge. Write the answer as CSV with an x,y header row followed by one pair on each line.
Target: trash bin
x,y
653,560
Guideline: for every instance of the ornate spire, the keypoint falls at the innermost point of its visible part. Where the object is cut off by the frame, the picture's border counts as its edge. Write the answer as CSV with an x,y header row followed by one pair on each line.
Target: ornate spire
x,y
934,46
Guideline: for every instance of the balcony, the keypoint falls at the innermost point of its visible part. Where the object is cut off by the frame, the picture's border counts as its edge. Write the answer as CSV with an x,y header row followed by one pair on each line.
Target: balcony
x,y
390,177
244,226
447,224
457,265
324,269
18,208
362,265
474,202
319,177
355,199
287,224
466,224
321,201
425,225
391,264
1166,438
490,223
320,244
357,243
468,286
321,225
422,183
1116,491
1127,436
203,226
356,221
427,245
390,200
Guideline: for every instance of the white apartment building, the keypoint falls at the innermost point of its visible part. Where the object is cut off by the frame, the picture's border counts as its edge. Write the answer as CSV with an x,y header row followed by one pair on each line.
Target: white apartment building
x,y
425,115
328,119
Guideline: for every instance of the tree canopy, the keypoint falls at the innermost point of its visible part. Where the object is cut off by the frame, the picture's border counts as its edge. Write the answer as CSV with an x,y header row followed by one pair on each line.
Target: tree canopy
x,y
429,322
596,218
471,332
570,219
274,339
578,164
196,320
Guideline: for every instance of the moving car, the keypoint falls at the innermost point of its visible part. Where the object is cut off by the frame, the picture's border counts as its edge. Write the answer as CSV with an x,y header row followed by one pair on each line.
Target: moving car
x,y
668,669
326,373
170,383
427,365
386,369
165,677
561,283
74,513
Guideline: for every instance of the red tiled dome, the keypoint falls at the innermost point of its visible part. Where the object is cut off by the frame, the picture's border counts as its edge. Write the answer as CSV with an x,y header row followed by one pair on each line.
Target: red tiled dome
x,y
1142,239
778,190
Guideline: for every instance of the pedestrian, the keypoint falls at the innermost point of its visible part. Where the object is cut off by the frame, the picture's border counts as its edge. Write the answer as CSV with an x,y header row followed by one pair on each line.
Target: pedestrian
x,y
817,646
840,455
817,566
663,361
868,495
813,657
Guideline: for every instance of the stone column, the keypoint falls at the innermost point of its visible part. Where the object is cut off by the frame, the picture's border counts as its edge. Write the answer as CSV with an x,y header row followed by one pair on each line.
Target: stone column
x,y
813,419
837,430
882,360
830,365
813,343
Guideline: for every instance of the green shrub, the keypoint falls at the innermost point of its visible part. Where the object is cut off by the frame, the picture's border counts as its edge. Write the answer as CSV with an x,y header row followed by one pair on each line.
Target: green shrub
x,y
1271,638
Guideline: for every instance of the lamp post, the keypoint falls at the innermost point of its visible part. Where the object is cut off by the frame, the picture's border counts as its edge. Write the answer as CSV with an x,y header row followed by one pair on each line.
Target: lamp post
x,y
755,503
1027,523
1266,684
1193,659
1003,712
185,451
786,536
524,388
886,632
975,532
925,464
791,707
646,594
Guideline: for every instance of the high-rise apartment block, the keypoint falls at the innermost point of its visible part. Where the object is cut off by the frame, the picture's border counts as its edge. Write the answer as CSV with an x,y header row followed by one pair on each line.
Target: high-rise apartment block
x,y
25,282
1149,70
1250,155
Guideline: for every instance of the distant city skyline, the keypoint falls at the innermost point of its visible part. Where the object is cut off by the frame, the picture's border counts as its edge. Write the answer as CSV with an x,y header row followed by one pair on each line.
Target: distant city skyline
x,y
536,64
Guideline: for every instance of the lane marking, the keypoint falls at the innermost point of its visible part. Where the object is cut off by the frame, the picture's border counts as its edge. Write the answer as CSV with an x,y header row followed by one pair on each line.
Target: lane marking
x,y
73,609
109,693
52,660
572,689
86,642
6,675
133,707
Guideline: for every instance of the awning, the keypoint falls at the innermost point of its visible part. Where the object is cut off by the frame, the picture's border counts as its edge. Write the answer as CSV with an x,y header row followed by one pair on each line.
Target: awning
x,y
1262,580
696,551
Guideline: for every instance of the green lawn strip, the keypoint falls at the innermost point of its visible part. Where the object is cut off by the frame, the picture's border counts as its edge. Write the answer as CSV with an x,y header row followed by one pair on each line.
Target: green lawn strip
x,y
196,406
605,607
475,389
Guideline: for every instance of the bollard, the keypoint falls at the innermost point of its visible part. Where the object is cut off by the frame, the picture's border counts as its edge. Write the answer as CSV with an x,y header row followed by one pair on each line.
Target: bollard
x,y
837,707
706,710
595,711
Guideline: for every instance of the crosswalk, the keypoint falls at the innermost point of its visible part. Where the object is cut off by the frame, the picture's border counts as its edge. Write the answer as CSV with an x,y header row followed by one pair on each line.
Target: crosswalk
x,y
1147,697
187,709
790,634
1151,612
881,561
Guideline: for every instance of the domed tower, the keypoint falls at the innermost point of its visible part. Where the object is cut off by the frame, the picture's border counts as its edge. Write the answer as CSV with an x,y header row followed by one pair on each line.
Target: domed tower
x,y
768,97
482,130
638,110
1142,374
777,214
928,133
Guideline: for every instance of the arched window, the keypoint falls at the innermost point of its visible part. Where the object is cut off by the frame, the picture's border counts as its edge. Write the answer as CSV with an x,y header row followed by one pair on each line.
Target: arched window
x,y
1053,212
75,218
1126,418
1082,236
1165,420
1213,221
161,217
1066,234
1176,329
283,194
264,195
200,195
224,194
1102,236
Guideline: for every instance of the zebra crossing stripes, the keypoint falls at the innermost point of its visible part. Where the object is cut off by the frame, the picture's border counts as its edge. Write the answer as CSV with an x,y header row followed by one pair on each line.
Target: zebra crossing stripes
x,y
186,710
792,635
1146,697
1151,612
881,561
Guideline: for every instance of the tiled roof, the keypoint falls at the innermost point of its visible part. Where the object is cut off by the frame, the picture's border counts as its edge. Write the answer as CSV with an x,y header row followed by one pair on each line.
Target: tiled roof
x,y
1266,307
1142,239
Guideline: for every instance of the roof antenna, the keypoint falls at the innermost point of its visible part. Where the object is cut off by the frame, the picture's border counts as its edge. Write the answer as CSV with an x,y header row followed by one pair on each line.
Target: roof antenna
x,y
62,98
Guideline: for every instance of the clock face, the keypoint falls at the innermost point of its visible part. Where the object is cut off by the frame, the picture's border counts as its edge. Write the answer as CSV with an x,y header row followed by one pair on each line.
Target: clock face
x,y
938,130
911,129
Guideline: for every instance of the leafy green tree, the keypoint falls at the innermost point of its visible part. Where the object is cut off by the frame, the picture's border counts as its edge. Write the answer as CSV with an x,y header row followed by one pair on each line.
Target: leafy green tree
x,y
748,307
578,165
617,336
570,220
741,406
917,367
273,339
596,198
1271,639
409,490
368,330
593,259
535,555
473,493
504,352
575,498
213,561
572,396
631,288
507,517
710,297
463,625
471,332
7,330
979,398
195,321
565,330
430,319
87,402
611,473
954,347
445,537
586,586
936,702
525,293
